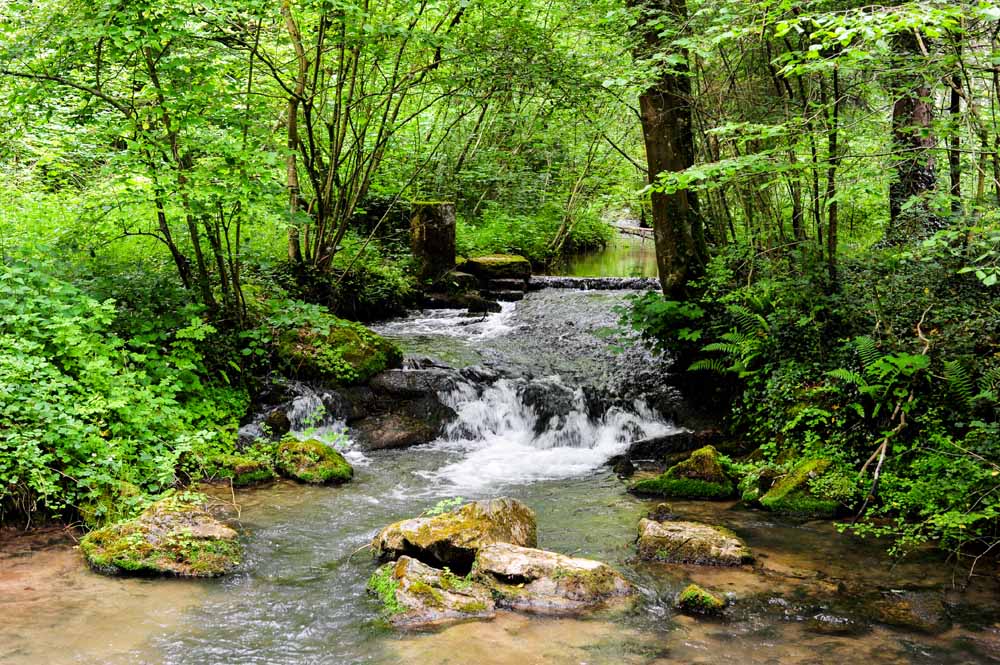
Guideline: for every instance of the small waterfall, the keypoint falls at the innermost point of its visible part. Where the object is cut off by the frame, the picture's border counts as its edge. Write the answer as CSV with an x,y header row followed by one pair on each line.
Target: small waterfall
x,y
517,431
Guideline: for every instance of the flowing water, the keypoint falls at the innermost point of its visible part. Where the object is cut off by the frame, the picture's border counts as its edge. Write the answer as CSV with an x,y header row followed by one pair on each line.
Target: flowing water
x,y
555,400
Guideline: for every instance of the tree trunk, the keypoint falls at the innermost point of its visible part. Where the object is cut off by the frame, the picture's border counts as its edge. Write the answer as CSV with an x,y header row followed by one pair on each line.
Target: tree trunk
x,y
955,146
913,143
667,132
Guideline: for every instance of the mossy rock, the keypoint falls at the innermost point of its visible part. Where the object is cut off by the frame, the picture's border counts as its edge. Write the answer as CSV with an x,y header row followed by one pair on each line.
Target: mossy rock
x,y
240,470
791,495
700,476
335,351
696,600
312,461
116,501
691,542
454,538
498,266
541,582
174,536
415,595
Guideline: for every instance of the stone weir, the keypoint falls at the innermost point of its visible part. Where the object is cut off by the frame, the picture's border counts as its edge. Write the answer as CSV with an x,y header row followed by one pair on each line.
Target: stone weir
x,y
539,282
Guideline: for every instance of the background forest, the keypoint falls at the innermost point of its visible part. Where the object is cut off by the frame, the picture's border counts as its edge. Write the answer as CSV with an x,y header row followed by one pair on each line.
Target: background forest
x,y
185,181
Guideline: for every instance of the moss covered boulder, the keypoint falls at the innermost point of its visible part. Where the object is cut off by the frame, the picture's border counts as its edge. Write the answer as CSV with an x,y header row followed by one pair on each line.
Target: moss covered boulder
x,y
691,542
533,580
701,476
791,494
498,266
312,462
239,470
335,351
174,536
415,595
454,538
695,600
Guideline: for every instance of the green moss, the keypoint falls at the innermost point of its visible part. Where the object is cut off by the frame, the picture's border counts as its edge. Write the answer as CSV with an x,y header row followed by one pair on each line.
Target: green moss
x,y
701,476
336,351
473,607
791,495
383,584
428,595
695,600
313,462
174,536
239,469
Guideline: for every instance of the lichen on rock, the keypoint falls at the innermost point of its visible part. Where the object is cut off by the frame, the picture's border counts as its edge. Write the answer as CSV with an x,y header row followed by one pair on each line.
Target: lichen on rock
x,y
701,476
691,542
173,536
415,595
696,600
791,494
312,461
455,537
537,581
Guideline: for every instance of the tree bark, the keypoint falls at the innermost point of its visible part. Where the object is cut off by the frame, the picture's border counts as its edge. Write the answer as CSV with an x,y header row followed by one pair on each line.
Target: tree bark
x,y
913,143
667,122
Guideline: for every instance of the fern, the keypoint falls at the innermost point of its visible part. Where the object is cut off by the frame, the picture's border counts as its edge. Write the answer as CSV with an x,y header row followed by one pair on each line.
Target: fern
x,y
868,350
748,322
709,365
960,382
848,377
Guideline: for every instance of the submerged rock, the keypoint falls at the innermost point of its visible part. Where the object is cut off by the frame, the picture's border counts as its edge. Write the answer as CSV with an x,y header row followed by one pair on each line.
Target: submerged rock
x,y
335,351
415,382
173,536
691,542
791,495
454,538
414,595
696,600
921,611
498,266
239,470
701,476
532,580
313,462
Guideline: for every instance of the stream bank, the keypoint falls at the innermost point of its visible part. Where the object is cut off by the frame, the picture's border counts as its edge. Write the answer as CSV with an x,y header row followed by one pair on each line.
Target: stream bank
x,y
814,596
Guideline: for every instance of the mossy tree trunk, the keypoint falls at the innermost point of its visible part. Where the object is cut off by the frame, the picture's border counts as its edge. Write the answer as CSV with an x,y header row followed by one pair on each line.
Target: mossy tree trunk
x,y
432,238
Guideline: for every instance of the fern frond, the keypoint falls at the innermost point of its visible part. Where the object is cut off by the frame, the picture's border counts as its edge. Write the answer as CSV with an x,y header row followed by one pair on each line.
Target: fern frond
x,y
708,364
847,376
960,382
748,322
867,350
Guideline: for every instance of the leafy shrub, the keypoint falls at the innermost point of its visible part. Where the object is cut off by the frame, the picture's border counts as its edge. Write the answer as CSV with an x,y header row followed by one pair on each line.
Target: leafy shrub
x,y
85,417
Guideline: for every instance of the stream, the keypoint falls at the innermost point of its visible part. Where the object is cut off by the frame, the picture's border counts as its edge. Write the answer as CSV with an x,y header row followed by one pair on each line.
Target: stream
x,y
299,597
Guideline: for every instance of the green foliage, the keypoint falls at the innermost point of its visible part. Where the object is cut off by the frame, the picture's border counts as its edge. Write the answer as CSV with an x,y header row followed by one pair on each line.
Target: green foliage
x,y
444,506
384,585
83,413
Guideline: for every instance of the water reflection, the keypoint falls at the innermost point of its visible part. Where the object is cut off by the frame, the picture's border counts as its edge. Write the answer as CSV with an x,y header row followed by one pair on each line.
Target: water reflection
x,y
625,256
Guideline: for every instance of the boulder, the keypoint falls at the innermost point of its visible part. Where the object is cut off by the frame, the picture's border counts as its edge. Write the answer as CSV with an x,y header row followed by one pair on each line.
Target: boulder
x,y
658,447
695,600
550,399
414,382
335,351
701,476
239,470
498,266
393,430
312,462
277,422
454,538
791,494
691,542
532,580
414,595
173,536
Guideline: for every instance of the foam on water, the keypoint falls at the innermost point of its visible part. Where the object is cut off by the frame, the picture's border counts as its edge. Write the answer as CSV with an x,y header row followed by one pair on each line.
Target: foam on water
x,y
502,442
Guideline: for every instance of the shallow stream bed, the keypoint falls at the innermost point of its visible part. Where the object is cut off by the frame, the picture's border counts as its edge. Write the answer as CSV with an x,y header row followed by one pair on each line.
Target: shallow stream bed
x,y
299,596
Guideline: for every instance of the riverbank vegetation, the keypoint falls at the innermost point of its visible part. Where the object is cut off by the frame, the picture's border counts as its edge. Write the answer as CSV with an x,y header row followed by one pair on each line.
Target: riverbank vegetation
x,y
838,289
